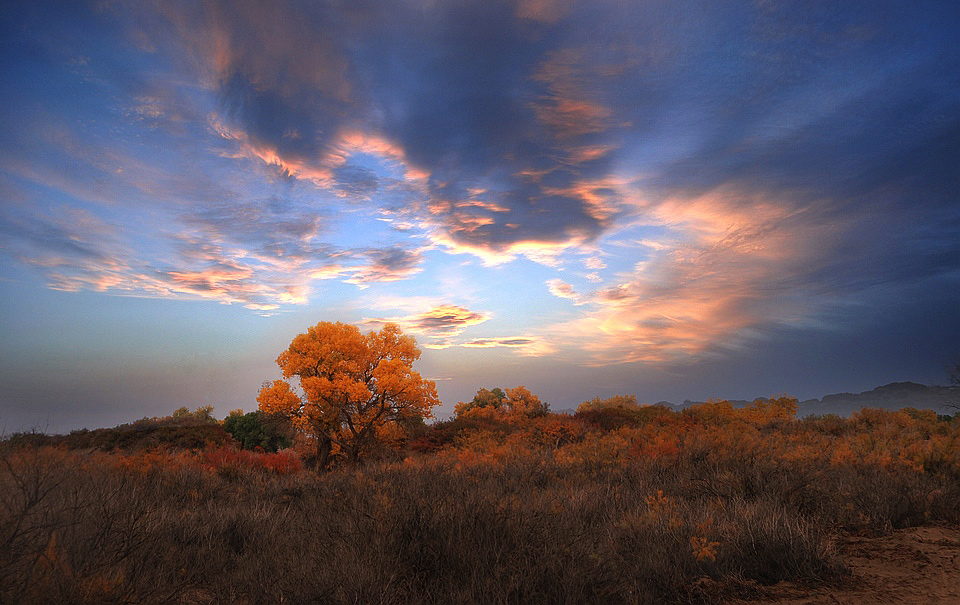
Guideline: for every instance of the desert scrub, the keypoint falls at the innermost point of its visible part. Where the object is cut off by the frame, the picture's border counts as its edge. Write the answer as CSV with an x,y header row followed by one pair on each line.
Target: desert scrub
x,y
532,531
667,507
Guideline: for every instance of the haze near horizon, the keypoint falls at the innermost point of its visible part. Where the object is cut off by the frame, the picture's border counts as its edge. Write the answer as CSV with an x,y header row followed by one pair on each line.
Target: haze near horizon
x,y
586,198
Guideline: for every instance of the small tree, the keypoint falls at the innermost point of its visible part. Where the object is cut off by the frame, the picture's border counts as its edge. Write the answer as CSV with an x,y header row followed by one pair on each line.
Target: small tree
x,y
953,371
484,399
258,429
499,405
521,402
624,402
203,414
354,387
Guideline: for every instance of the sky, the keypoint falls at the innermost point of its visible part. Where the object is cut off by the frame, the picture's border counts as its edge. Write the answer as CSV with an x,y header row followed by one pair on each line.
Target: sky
x,y
672,200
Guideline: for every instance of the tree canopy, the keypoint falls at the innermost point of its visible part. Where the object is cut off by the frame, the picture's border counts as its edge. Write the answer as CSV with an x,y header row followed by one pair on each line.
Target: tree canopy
x,y
485,398
516,403
355,387
625,402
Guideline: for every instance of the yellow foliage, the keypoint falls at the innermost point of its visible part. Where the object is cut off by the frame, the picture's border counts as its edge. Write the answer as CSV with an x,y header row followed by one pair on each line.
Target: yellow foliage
x,y
353,385
660,505
703,549
467,410
521,402
626,402
518,405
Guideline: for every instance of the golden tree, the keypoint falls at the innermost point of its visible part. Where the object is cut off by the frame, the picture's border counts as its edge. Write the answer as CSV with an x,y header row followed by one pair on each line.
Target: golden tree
x,y
521,402
355,387
514,404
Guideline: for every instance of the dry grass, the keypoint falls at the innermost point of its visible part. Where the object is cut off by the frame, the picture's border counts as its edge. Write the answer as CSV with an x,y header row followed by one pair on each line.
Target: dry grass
x,y
694,527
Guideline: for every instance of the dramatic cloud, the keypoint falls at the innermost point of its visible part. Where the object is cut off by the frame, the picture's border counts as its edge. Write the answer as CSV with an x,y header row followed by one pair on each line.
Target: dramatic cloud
x,y
609,181
440,323
503,114
740,263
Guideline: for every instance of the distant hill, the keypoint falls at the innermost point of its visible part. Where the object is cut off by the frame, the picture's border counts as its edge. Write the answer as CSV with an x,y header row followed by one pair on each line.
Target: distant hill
x,y
891,396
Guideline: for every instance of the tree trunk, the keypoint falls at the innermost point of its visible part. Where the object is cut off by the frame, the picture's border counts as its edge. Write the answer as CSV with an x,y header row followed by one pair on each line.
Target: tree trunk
x,y
356,458
322,457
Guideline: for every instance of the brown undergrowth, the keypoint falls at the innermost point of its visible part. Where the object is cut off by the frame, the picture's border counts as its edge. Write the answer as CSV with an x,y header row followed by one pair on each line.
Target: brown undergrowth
x,y
667,508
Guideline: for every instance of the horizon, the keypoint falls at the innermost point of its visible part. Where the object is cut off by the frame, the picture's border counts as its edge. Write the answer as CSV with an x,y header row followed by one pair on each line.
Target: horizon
x,y
680,404
588,199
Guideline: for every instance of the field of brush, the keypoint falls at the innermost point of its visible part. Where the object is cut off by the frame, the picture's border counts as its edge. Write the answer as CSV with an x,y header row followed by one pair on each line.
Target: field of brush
x,y
605,506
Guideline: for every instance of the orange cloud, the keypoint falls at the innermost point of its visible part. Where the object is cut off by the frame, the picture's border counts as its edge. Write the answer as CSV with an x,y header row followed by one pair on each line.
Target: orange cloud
x,y
491,206
320,170
440,324
589,153
572,117
562,289
387,264
602,197
546,11
543,252
233,256
737,265
570,109
602,200
595,262
321,175
530,346
275,48
349,142
328,272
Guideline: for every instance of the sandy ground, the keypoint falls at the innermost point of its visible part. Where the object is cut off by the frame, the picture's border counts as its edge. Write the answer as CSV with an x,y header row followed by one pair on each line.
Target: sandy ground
x,y
910,566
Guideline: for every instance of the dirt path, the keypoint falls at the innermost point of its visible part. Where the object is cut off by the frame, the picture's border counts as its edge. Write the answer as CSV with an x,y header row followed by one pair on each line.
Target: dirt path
x,y
910,566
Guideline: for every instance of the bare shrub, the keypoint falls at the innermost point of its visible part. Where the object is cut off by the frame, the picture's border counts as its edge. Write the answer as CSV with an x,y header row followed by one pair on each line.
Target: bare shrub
x,y
677,508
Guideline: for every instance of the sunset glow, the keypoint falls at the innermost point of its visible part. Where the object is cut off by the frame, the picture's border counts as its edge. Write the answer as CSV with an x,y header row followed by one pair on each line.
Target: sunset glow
x,y
586,198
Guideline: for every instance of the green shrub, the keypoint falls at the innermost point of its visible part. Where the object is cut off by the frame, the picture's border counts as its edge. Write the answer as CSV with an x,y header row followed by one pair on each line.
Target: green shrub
x,y
258,429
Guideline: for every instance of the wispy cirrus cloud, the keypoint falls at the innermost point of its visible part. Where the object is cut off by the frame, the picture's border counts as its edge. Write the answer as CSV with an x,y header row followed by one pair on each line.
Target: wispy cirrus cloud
x,y
233,254
528,346
440,323
443,324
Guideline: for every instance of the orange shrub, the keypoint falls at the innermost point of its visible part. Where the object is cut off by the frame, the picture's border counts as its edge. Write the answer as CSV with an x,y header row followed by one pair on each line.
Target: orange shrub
x,y
225,458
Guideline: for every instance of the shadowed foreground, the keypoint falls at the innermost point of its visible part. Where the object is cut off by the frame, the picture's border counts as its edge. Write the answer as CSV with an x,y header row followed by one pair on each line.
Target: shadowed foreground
x,y
683,509
915,566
